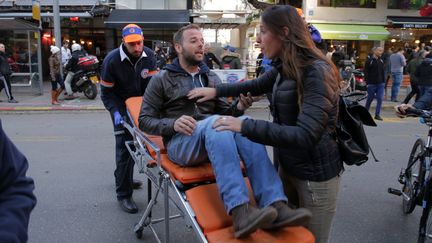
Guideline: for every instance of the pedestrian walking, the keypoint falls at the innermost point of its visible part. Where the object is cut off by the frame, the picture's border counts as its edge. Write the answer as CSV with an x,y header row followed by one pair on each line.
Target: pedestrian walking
x,y
387,68
305,86
374,77
414,82
5,74
126,72
56,78
397,63
161,57
65,53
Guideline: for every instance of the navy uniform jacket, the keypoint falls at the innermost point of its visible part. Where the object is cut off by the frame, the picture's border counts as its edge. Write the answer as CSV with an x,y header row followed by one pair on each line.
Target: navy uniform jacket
x,y
121,79
16,192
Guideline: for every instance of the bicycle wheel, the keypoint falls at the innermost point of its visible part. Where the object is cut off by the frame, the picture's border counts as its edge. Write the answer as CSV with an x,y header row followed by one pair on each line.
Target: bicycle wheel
x,y
427,237
413,176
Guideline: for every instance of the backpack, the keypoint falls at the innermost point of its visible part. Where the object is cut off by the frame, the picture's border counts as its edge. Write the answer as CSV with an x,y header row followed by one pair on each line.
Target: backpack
x,y
350,135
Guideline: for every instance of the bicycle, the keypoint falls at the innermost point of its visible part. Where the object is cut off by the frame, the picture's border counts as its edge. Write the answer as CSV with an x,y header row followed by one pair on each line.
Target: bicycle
x,y
416,178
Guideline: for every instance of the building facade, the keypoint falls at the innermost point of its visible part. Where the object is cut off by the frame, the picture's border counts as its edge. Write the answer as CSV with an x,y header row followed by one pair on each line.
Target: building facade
x,y
360,25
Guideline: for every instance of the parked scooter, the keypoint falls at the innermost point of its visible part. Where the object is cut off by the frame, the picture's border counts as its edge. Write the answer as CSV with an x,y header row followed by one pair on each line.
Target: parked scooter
x,y
87,78
360,82
352,79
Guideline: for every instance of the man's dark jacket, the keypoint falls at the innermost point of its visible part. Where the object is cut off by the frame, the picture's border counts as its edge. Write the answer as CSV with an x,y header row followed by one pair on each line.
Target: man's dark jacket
x,y
16,192
165,100
5,68
424,72
301,137
209,58
374,71
72,64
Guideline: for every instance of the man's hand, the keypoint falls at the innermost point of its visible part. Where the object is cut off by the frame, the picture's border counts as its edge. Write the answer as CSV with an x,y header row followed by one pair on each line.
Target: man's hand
x,y
118,120
185,125
203,94
401,109
246,101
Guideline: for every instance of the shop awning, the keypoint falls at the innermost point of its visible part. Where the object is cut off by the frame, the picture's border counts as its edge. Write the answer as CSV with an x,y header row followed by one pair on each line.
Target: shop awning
x,y
352,32
16,24
148,18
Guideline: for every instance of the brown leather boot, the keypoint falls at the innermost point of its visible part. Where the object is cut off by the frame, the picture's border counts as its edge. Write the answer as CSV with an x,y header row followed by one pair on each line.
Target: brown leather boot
x,y
247,219
288,216
58,93
53,98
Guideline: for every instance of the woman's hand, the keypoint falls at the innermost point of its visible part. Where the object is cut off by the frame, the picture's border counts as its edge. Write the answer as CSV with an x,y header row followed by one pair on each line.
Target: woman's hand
x,y
203,94
228,123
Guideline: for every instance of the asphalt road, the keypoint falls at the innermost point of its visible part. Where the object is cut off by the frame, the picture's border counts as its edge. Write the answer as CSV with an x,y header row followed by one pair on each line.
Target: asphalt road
x,y
71,159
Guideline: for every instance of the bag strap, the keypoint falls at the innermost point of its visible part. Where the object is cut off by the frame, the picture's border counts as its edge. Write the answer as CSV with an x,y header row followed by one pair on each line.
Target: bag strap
x,y
373,154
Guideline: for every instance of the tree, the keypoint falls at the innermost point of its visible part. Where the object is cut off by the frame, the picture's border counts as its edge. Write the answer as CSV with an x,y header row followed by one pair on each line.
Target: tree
x,y
263,4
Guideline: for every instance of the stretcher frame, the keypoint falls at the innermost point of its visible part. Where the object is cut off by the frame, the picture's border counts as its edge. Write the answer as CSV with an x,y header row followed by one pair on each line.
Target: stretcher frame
x,y
161,180
141,147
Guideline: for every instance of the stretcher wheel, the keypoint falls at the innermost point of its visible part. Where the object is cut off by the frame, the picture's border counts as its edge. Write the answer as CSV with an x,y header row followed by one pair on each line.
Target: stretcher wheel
x,y
139,233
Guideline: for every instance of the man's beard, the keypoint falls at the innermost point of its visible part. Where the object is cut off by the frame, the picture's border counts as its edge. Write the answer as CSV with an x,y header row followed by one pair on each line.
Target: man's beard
x,y
191,60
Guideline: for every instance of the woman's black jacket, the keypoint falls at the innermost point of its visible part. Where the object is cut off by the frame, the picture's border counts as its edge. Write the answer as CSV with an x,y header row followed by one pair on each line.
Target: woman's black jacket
x,y
302,136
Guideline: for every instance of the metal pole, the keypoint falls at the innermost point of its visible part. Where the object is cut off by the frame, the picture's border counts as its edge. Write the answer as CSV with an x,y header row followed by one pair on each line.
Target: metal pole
x,y
39,54
57,31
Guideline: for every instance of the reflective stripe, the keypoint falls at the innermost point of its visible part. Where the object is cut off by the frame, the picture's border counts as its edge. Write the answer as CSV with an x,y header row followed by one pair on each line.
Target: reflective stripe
x,y
106,84
119,132
151,73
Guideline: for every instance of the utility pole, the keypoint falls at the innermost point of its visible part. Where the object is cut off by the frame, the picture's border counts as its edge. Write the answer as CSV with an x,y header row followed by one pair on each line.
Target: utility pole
x,y
57,31
36,16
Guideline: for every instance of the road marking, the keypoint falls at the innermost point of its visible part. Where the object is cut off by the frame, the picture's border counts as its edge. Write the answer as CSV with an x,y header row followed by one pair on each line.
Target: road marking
x,y
40,138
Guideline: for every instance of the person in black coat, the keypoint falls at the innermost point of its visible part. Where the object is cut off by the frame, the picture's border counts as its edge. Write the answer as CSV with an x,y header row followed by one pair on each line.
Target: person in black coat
x,y
305,95
5,74
424,75
209,58
374,77
16,192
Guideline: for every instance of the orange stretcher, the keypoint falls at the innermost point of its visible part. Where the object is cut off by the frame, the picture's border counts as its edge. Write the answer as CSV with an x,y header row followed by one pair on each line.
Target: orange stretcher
x,y
191,191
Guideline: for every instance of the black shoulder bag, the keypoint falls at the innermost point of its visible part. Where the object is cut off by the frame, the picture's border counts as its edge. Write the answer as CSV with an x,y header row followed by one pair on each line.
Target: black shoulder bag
x,y
351,137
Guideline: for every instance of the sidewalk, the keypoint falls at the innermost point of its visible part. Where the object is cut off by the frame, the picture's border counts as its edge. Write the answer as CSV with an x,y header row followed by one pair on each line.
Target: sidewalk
x,y
29,101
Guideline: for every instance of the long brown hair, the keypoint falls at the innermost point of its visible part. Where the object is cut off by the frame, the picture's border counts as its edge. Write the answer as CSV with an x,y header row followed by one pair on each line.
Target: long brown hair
x,y
298,48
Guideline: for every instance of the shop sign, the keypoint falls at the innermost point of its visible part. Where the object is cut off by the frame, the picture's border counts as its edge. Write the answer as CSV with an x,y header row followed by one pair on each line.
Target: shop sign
x,y
413,26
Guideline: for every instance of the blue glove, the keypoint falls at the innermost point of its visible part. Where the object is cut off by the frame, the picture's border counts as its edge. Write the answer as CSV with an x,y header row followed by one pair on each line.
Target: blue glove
x,y
117,118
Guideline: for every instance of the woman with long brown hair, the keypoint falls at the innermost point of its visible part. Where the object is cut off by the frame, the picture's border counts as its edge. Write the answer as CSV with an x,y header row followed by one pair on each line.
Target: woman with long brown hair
x,y
305,95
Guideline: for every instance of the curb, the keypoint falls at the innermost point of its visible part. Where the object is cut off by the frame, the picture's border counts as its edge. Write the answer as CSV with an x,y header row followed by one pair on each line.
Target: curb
x,y
50,108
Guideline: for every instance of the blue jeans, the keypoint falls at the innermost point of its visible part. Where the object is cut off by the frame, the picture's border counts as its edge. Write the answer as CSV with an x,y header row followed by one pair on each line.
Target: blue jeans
x,y
397,80
375,91
224,150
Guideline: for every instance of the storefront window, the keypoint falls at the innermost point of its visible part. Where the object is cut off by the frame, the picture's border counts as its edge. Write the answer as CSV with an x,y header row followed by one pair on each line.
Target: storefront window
x,y
348,3
21,49
406,4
